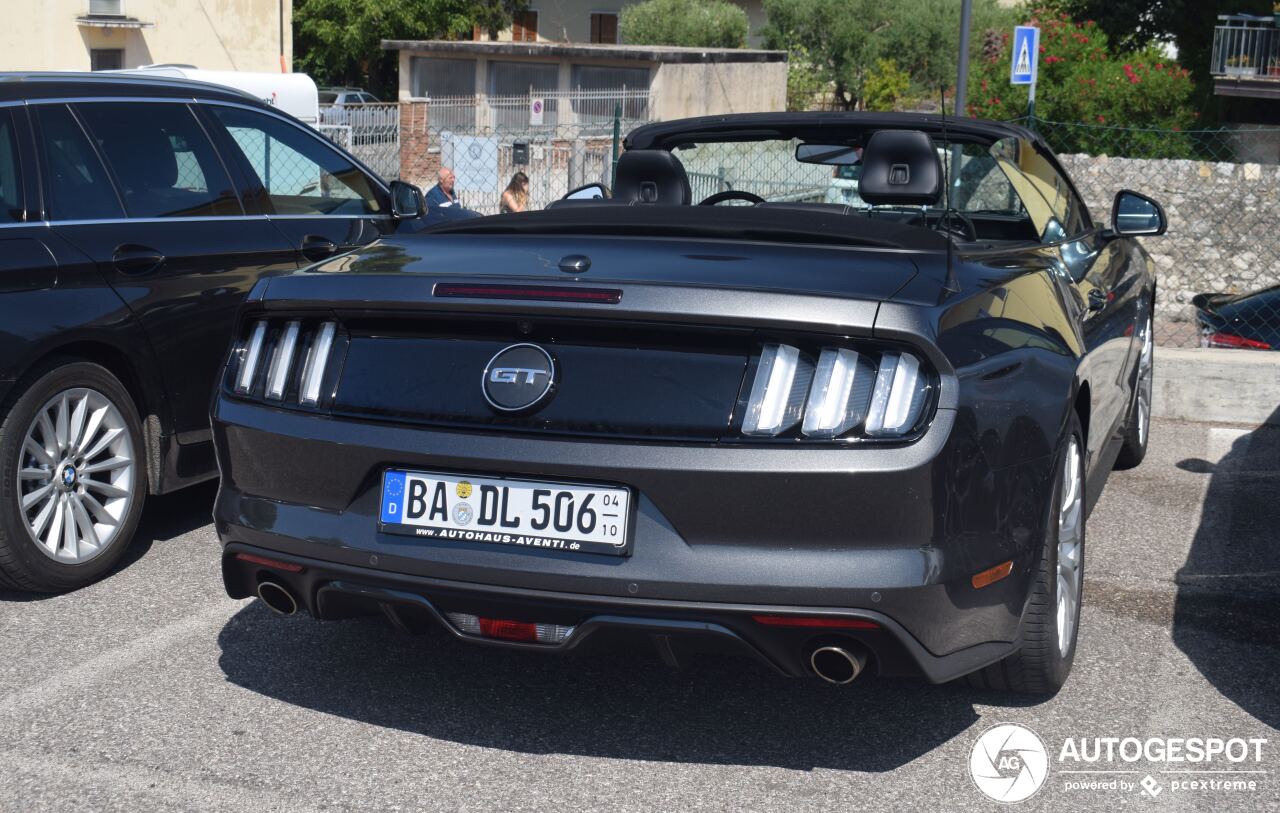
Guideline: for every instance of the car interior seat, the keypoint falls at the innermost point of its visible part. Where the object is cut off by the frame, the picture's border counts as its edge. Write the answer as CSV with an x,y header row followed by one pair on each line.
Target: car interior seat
x,y
651,177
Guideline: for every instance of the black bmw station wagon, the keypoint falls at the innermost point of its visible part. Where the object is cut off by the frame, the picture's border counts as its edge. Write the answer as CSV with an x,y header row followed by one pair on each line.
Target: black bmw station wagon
x,y
135,215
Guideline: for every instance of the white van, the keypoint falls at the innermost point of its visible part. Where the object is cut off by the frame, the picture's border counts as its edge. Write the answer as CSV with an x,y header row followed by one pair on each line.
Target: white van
x,y
294,93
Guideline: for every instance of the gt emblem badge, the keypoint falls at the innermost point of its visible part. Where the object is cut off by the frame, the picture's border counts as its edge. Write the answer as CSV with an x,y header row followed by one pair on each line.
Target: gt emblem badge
x,y
519,378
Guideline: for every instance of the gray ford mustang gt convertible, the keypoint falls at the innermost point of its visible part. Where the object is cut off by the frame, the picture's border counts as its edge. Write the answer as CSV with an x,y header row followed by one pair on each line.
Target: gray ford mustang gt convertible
x,y
837,439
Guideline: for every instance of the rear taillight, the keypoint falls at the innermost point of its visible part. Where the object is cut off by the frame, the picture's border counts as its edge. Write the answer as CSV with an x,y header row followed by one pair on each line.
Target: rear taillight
x,y
881,393
296,354
1221,339
507,630
251,354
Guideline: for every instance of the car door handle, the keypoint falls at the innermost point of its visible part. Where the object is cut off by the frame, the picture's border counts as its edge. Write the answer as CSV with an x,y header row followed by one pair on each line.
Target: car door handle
x,y
316,248
134,259
1098,299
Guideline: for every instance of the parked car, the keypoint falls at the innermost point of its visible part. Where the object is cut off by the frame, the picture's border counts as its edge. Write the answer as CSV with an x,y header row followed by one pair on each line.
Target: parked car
x,y
137,214
837,440
1249,321
336,104
843,188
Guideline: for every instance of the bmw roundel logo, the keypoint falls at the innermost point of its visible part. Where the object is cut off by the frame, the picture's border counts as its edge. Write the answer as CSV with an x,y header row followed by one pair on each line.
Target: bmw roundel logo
x,y
519,378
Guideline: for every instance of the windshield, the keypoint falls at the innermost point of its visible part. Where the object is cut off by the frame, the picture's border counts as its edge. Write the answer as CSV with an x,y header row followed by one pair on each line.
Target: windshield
x,y
327,97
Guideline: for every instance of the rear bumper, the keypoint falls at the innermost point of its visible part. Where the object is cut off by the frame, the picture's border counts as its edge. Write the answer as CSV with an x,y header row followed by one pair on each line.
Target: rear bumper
x,y
891,534
673,628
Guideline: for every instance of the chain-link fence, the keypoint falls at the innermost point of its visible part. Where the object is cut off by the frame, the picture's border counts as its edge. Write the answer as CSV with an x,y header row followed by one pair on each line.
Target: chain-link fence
x,y
1219,189
370,132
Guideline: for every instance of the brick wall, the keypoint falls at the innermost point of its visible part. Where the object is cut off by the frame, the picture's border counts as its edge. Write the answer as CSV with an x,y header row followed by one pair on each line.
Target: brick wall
x,y
418,162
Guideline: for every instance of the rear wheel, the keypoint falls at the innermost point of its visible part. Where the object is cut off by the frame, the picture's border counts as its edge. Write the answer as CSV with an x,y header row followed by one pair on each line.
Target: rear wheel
x,y
1051,624
1137,429
72,481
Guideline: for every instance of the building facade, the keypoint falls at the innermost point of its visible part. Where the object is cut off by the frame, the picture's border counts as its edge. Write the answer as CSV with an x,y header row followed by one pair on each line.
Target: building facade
x,y
81,35
596,21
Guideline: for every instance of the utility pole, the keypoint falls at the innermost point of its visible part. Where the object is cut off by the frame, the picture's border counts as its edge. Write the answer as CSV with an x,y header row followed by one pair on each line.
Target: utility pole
x,y
962,78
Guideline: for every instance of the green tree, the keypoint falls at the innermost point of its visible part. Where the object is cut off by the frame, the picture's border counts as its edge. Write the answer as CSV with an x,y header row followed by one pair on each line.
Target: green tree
x,y
338,42
693,23
1083,80
886,86
1132,25
845,38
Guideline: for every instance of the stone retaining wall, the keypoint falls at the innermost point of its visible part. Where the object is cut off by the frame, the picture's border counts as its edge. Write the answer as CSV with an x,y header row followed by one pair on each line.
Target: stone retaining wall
x,y
1224,221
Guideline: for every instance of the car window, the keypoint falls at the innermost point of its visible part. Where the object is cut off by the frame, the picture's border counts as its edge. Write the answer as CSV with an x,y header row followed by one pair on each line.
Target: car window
x,y
10,180
326,97
302,174
76,184
979,185
161,158
1054,208
368,98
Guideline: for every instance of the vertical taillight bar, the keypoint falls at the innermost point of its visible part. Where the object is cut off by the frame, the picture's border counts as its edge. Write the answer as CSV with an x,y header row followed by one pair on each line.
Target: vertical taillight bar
x,y
282,360
317,361
249,363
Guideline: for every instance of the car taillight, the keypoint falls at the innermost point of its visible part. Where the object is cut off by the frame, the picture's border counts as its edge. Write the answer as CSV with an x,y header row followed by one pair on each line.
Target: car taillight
x,y
297,355
883,392
249,363
1221,339
506,630
777,396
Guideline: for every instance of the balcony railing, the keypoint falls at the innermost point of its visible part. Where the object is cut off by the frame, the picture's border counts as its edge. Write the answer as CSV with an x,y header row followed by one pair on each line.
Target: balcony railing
x,y
1246,46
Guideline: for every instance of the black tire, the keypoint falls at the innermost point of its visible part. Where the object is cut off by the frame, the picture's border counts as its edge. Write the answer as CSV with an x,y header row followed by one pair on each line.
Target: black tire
x,y
1041,665
23,566
1136,435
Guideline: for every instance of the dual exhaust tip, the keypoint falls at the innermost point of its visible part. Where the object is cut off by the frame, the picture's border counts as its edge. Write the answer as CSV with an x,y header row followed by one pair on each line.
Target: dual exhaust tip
x,y
838,664
277,597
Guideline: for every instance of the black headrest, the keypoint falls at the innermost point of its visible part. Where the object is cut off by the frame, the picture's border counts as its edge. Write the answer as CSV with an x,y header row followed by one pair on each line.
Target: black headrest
x,y
651,177
900,167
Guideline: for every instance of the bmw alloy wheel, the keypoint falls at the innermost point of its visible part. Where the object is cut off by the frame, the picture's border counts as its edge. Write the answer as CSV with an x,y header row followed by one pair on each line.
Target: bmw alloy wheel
x,y
1070,544
76,475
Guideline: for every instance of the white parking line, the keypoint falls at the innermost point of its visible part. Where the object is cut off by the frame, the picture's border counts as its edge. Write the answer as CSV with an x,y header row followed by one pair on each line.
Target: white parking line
x,y
75,679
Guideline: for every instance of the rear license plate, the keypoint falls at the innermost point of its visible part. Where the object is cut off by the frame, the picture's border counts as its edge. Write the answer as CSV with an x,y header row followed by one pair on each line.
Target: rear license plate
x,y
554,516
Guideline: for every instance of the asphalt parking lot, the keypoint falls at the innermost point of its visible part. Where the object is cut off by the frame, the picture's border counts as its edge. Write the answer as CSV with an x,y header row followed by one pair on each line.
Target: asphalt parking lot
x,y
153,691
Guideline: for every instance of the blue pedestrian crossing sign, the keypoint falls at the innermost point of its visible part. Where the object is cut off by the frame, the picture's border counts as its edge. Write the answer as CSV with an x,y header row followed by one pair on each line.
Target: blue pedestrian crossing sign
x,y
1026,55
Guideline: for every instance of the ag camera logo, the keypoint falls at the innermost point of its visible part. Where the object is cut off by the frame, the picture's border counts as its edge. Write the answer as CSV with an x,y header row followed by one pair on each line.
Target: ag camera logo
x,y
1009,763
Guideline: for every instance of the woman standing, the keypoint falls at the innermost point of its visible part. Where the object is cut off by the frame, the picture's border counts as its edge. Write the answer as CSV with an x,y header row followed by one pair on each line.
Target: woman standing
x,y
515,198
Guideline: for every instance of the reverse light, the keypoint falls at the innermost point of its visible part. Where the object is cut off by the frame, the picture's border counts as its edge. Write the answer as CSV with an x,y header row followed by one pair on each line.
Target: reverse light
x,y
838,396
898,396
252,352
282,360
506,630
317,359
778,392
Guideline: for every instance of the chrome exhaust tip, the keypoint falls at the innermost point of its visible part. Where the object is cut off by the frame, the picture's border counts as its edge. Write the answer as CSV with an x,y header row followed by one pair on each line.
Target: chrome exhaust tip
x,y
277,597
837,665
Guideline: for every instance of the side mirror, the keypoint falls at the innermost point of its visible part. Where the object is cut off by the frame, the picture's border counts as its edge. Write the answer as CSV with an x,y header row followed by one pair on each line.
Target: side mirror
x,y
1133,214
407,202
592,191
